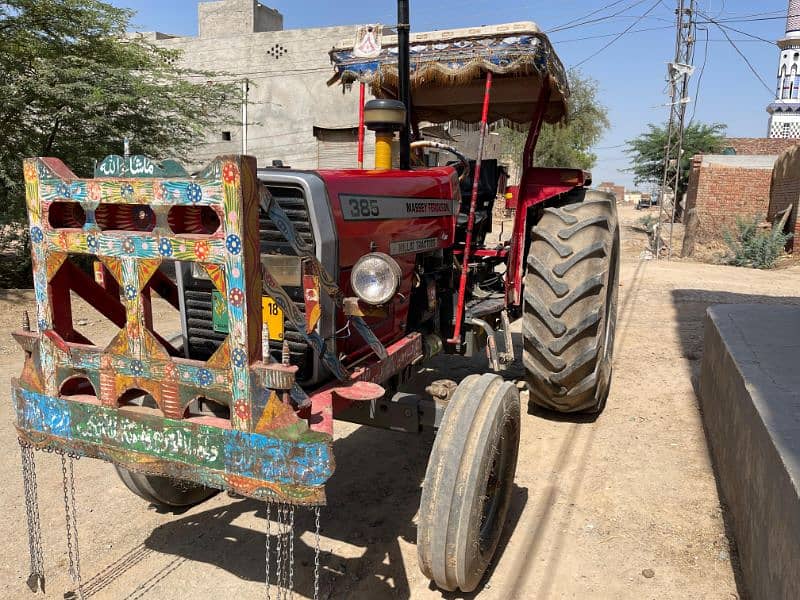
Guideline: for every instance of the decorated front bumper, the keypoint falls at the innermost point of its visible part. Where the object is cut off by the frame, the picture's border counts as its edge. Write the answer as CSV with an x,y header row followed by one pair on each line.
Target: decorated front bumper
x,y
73,395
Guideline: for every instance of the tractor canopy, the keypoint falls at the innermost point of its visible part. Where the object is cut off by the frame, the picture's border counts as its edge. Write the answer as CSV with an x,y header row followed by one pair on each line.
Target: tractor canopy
x,y
519,55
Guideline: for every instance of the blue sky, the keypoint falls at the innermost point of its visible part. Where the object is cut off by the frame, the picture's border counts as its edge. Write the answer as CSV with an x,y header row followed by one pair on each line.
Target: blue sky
x,y
631,72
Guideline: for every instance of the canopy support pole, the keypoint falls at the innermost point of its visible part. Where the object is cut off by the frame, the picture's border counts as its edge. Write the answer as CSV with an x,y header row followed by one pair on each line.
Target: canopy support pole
x,y
404,77
476,180
361,125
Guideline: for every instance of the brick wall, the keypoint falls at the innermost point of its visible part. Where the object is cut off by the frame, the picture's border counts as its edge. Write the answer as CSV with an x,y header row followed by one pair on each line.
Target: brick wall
x,y
786,191
612,188
760,146
722,188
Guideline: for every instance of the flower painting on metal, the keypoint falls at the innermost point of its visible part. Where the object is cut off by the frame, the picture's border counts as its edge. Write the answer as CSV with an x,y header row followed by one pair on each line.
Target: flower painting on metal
x,y
131,220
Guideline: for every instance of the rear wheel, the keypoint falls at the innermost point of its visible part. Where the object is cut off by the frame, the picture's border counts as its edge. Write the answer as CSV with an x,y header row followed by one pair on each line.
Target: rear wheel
x,y
570,304
468,483
163,491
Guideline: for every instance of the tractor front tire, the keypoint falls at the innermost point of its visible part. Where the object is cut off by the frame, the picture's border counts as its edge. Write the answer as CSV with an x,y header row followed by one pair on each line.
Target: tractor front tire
x,y
468,483
570,304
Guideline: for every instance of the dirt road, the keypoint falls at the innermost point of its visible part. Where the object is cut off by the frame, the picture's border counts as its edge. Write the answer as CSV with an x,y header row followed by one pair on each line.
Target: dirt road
x,y
624,507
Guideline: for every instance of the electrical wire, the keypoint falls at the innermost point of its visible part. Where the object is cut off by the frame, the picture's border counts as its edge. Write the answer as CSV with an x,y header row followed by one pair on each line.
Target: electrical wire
x,y
742,55
711,21
700,77
598,20
586,16
618,37
608,35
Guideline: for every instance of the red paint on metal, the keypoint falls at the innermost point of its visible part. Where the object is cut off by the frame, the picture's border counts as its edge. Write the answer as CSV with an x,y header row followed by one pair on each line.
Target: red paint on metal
x,y
538,185
361,237
361,125
476,179
485,253
331,399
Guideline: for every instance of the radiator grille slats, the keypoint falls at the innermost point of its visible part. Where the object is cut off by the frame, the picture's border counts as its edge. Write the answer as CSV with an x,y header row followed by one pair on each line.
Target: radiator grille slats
x,y
203,340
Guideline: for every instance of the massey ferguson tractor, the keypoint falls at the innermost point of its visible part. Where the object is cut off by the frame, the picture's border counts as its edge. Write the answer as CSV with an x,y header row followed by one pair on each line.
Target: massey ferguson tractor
x,y
310,296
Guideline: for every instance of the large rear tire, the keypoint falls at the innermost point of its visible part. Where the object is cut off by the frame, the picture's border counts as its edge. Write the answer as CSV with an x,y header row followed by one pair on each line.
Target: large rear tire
x,y
163,491
468,483
570,304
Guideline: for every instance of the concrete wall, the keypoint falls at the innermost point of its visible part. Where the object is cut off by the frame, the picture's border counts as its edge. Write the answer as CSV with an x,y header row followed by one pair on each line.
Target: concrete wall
x,y
786,191
287,72
750,401
722,188
230,18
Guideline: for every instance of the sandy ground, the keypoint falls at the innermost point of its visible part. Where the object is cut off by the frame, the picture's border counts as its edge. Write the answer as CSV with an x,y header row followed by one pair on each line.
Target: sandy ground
x,y
622,507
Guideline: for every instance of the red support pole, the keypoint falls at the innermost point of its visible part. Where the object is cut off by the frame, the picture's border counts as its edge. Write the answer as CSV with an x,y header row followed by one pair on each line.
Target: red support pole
x,y
361,126
476,179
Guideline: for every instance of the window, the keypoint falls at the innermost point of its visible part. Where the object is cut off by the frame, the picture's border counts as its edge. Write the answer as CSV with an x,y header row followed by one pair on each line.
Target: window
x,y
796,88
787,88
226,136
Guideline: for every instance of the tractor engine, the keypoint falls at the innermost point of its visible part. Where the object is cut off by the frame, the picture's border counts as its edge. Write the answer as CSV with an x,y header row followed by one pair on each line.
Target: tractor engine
x,y
406,222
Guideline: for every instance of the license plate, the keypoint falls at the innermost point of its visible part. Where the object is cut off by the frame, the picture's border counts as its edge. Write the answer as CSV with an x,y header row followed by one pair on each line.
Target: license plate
x,y
219,312
273,318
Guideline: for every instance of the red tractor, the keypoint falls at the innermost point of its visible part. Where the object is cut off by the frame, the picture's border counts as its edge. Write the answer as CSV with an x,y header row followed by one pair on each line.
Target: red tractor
x,y
309,296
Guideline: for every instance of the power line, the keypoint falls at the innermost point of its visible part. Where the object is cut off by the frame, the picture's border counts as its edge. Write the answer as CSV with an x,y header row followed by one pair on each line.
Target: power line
x,y
608,35
591,14
722,29
600,19
728,27
620,35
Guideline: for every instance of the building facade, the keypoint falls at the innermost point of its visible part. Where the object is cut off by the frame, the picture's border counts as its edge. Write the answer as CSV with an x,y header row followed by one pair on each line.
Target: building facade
x,y
291,114
784,120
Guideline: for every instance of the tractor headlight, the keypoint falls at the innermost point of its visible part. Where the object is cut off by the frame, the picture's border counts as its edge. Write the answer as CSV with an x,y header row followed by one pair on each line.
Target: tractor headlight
x,y
375,278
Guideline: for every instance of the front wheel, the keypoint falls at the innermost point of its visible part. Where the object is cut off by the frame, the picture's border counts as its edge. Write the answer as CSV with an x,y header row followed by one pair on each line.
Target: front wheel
x,y
570,304
468,483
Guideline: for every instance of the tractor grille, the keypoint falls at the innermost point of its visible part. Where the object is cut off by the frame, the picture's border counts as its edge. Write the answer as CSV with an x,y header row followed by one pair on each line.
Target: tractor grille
x,y
203,340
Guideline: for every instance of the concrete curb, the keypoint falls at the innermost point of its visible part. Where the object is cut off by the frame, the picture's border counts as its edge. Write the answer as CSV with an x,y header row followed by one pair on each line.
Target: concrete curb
x,y
750,398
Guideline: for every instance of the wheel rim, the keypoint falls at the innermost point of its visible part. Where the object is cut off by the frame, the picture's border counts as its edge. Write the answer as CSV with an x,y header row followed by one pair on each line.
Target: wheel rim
x,y
498,486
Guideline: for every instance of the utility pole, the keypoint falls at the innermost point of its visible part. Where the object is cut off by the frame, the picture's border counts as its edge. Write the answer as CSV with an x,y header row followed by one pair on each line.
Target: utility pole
x,y
679,73
245,100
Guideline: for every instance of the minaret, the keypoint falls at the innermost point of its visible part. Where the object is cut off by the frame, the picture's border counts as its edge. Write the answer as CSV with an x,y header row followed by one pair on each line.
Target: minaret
x,y
784,120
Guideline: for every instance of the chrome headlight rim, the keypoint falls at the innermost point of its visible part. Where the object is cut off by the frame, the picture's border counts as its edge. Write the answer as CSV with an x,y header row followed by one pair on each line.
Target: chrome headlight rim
x,y
393,270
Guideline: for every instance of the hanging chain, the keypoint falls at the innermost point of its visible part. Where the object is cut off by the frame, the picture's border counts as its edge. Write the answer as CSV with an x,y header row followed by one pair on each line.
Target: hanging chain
x,y
68,474
290,558
269,516
36,576
316,552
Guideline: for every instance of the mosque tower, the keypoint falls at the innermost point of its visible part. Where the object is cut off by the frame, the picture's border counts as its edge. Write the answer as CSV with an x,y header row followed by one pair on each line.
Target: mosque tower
x,y
784,120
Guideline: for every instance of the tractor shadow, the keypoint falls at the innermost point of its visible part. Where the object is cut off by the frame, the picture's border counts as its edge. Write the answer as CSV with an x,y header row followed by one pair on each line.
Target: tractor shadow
x,y
369,521
373,499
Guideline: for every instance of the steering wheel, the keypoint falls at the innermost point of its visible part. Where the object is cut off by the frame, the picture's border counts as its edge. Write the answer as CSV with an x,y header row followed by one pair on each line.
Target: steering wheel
x,y
463,167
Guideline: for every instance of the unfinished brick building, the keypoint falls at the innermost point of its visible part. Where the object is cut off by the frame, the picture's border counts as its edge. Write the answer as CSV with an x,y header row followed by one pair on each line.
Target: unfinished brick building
x,y
786,193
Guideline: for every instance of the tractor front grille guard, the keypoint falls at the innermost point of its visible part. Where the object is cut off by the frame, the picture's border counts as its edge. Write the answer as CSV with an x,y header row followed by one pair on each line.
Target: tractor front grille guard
x,y
73,395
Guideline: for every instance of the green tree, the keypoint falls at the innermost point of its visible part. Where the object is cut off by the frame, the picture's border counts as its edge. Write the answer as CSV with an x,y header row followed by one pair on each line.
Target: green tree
x,y
74,84
647,151
568,144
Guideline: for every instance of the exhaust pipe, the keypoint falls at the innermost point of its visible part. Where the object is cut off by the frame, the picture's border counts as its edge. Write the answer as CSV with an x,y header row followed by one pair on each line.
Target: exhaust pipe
x,y
404,79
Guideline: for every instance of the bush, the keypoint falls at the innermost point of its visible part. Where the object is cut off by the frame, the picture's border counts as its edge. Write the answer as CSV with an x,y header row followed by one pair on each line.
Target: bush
x,y
15,257
753,247
647,222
